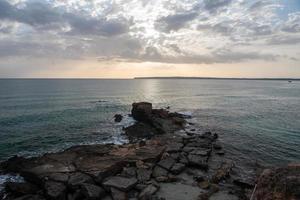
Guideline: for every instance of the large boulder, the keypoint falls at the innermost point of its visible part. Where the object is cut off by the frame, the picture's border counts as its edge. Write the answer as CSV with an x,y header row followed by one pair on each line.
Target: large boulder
x,y
141,111
279,184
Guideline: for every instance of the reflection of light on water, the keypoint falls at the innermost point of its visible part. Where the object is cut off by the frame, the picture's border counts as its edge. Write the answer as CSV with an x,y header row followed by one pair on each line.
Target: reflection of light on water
x,y
150,89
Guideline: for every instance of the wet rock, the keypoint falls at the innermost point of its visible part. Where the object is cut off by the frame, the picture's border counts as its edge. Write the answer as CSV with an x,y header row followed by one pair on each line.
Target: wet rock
x,y
147,193
198,161
121,183
55,190
166,163
118,117
177,168
141,111
92,192
118,194
279,183
19,189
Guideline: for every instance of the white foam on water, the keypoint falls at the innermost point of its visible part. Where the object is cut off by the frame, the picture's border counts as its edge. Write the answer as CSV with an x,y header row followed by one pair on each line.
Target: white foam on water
x,y
186,113
127,121
4,178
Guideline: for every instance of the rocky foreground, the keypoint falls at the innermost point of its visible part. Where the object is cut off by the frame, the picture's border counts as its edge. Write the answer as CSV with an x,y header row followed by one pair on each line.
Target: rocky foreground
x,y
164,166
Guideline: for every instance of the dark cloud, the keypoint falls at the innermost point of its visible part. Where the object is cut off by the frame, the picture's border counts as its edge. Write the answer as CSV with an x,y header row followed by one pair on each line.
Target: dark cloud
x,y
283,40
215,5
43,16
175,22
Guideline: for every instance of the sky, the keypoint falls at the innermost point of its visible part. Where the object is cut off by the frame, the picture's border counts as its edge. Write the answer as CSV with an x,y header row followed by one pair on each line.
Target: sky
x,y
134,38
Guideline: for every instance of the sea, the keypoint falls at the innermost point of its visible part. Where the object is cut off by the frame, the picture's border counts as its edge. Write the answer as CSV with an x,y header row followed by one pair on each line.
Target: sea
x,y
257,120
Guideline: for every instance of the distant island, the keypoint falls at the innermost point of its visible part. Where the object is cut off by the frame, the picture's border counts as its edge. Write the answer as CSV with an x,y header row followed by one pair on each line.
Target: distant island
x,y
218,78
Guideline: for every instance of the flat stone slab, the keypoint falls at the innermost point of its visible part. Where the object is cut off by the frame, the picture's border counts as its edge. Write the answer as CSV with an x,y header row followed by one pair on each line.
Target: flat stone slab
x,y
121,183
94,160
167,163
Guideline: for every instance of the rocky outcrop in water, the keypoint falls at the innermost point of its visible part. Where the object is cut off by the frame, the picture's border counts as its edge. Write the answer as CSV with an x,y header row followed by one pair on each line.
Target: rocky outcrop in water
x,y
167,165
151,122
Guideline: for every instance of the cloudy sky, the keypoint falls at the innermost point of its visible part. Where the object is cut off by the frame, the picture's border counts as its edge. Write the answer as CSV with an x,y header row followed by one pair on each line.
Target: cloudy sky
x,y
128,38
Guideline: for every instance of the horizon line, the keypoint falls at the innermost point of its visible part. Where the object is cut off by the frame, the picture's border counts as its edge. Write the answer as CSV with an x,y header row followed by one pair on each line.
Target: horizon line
x,y
152,77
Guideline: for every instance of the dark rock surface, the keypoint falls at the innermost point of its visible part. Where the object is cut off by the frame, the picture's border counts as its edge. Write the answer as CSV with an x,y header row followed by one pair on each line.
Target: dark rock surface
x,y
151,122
141,111
279,184
118,117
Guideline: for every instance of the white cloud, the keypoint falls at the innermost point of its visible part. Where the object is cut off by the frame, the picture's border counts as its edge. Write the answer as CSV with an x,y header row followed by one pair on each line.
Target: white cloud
x,y
187,31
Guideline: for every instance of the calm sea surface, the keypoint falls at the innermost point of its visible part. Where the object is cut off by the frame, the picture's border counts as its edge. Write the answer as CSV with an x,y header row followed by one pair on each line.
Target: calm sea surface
x,y
256,120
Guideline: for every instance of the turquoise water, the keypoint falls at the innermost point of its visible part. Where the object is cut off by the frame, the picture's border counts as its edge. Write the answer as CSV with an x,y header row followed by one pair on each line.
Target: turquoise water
x,y
257,120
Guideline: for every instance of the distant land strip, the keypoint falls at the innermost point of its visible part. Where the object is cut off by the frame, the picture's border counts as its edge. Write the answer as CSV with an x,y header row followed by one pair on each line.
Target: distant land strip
x,y
218,78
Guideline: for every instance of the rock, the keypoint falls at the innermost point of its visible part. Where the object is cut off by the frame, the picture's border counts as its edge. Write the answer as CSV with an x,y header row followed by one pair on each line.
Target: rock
x,y
247,183
174,147
141,111
212,189
223,195
204,184
198,178
140,186
147,193
279,183
183,159
118,117
201,152
78,178
92,192
223,172
121,183
140,130
59,177
159,172
143,174
198,161
129,172
55,190
217,146
118,194
220,152
166,163
19,189
177,168
30,197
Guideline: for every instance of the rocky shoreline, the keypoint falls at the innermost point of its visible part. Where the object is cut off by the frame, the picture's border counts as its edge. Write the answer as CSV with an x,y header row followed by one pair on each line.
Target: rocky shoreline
x,y
157,164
